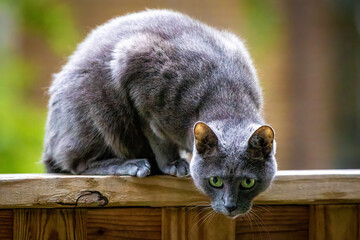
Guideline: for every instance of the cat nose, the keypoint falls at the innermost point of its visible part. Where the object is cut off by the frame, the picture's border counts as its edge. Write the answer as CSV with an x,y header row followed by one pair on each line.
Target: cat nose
x,y
230,206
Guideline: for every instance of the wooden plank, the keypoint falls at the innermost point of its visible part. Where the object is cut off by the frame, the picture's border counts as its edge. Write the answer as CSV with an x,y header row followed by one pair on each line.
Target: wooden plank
x,y
341,222
51,190
274,222
46,224
6,224
124,223
334,222
196,223
301,235
317,226
313,187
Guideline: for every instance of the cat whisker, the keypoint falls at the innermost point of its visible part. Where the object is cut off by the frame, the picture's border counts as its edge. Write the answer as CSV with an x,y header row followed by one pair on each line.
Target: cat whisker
x,y
248,219
252,217
200,211
266,208
208,215
213,216
251,225
262,224
188,208
192,228
200,220
191,207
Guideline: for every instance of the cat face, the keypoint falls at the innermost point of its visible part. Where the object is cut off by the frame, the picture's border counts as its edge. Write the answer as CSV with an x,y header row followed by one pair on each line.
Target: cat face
x,y
231,175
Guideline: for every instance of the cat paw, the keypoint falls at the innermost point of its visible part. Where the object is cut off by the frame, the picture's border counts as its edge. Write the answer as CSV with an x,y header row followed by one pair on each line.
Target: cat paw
x,y
135,167
179,168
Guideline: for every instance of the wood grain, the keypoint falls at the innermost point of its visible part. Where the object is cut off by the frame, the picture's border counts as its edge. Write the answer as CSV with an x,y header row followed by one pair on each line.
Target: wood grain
x,y
196,223
124,223
317,228
274,222
44,224
301,235
313,187
334,222
6,224
58,191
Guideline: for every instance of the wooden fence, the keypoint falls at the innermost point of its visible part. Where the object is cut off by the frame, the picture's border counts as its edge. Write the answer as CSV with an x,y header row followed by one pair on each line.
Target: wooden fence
x,y
316,205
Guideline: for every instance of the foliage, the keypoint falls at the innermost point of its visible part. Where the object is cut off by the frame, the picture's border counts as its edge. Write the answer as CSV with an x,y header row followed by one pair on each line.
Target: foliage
x,y
22,121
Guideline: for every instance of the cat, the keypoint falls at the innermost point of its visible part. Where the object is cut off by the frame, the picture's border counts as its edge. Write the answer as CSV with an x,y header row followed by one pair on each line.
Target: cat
x,y
144,86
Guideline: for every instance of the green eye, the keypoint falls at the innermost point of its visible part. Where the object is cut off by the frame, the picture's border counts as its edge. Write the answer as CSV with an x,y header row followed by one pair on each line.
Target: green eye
x,y
247,183
216,182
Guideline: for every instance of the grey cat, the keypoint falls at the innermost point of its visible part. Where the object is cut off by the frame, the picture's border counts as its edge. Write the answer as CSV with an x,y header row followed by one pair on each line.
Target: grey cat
x,y
142,87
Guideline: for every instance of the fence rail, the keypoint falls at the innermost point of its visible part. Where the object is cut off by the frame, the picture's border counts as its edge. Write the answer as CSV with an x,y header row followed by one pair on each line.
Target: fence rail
x,y
299,205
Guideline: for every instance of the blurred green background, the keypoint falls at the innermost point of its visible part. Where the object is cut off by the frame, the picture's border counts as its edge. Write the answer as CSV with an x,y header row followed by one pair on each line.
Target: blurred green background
x,y
307,54
22,109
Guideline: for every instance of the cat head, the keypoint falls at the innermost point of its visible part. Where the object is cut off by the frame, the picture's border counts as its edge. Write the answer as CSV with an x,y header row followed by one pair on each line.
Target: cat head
x,y
232,170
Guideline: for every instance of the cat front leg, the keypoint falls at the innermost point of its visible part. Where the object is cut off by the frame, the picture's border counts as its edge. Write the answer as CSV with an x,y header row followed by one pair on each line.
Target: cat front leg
x,y
168,157
116,166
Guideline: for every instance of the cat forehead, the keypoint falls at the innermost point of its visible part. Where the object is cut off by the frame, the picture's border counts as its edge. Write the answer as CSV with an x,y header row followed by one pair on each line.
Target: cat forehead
x,y
236,176
230,174
235,139
228,166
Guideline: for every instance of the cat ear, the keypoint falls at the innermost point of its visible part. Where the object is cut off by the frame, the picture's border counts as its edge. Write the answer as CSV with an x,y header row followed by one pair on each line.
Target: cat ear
x,y
205,139
261,142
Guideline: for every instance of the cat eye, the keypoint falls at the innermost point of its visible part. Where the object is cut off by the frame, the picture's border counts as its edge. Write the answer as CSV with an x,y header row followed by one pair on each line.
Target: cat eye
x,y
216,182
247,183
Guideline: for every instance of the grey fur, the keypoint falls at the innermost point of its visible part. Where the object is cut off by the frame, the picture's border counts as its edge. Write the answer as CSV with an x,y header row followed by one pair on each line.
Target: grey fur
x,y
131,93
